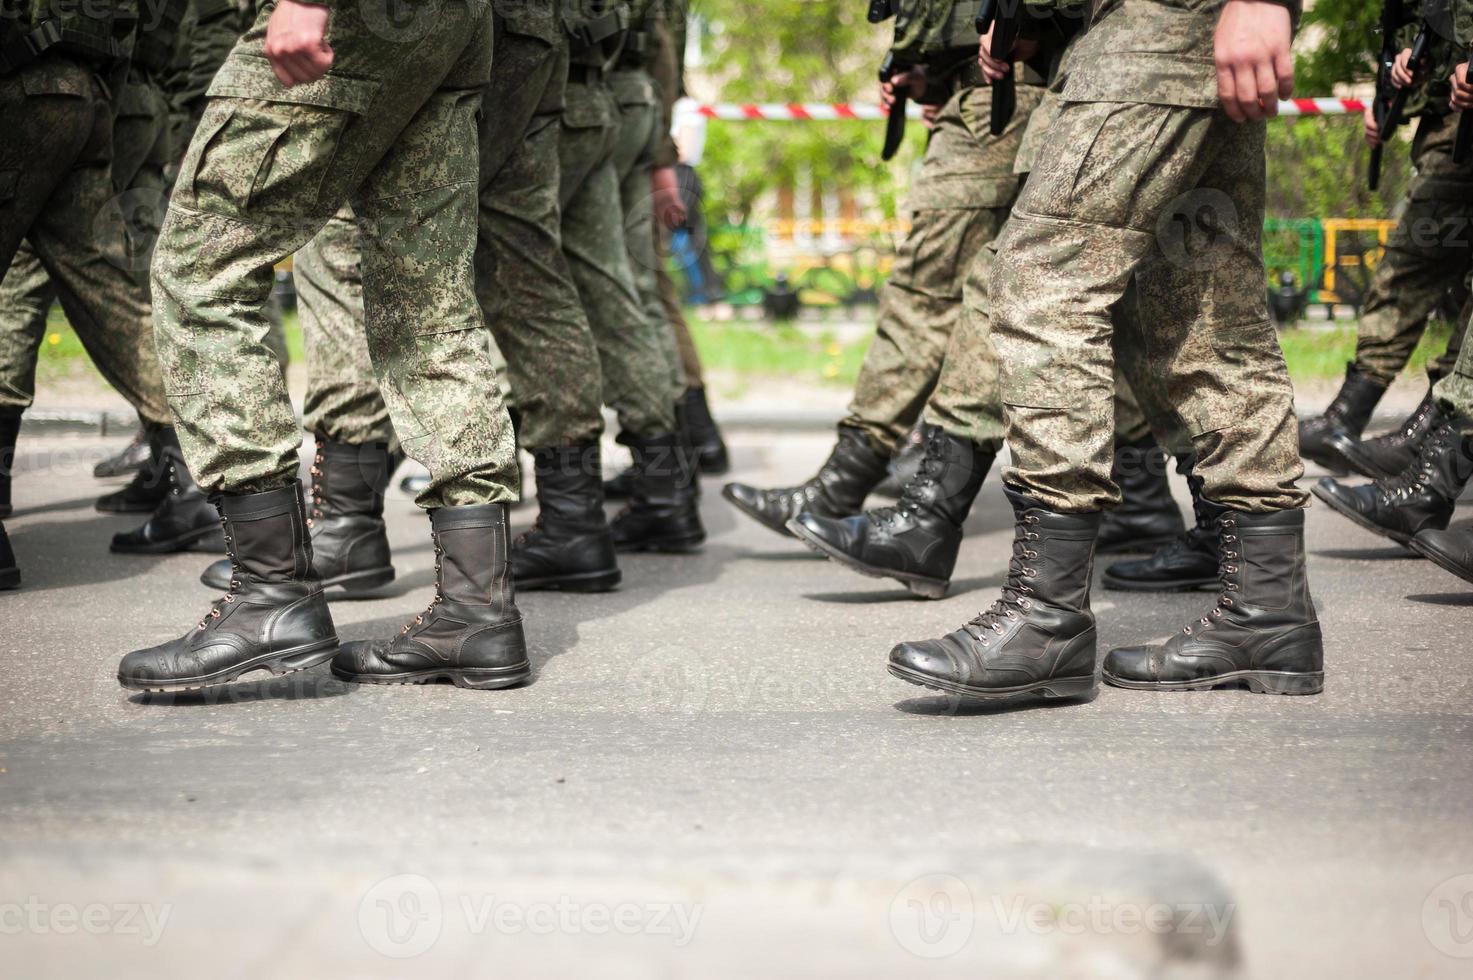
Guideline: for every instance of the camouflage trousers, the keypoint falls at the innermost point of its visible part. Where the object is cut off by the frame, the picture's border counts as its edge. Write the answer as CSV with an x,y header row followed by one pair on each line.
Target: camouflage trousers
x,y
522,281
392,127
1427,254
75,228
685,345
1171,200
960,200
1454,392
636,351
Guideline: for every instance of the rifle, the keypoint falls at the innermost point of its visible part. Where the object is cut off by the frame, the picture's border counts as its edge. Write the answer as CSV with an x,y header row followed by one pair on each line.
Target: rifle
x,y
1464,142
895,121
1388,110
1001,17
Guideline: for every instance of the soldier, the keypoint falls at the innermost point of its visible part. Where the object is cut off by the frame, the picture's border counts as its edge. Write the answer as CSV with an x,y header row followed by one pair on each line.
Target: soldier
x,y
1149,147
967,184
610,131
384,114
59,65
1427,256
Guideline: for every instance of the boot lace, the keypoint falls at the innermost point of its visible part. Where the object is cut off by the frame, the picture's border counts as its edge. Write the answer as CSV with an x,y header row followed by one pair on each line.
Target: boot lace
x,y
219,604
1015,593
314,512
1227,576
1419,475
439,594
915,494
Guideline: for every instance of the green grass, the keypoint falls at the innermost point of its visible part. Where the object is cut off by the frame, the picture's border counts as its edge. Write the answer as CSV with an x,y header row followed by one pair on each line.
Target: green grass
x,y
1322,352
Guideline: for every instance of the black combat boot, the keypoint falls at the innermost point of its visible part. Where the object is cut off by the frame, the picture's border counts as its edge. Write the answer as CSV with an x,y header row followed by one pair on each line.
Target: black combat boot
x,y
663,513
274,617
1189,561
1039,637
1346,416
916,541
570,547
1263,632
150,485
1452,550
471,634
1385,456
9,431
9,571
705,436
129,459
350,543
904,465
838,489
183,520
1147,517
1420,498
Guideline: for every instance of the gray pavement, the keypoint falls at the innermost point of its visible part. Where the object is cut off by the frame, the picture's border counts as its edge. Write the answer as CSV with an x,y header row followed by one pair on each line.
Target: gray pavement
x,y
713,775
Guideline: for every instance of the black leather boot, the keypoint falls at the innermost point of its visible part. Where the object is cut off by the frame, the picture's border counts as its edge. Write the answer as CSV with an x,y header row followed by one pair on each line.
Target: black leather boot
x,y
1039,637
1385,456
273,618
150,485
705,436
570,547
9,432
1263,632
1189,561
350,543
1346,416
129,459
916,541
471,634
663,512
9,571
185,519
838,489
1147,517
904,465
1451,550
1420,498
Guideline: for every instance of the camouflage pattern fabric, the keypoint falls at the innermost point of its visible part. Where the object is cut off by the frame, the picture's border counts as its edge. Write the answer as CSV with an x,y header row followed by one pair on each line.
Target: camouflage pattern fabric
x,y
1454,392
1169,196
959,202
685,345
392,126
1427,254
62,202
635,356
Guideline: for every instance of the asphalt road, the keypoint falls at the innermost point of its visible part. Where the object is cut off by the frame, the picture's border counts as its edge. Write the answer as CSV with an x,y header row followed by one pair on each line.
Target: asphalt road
x,y
713,775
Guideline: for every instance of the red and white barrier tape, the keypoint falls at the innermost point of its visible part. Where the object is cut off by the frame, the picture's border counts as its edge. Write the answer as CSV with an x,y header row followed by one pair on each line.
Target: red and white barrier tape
x,y
821,112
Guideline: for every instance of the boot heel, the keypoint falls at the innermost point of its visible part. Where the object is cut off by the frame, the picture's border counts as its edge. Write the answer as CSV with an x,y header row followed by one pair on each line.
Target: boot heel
x,y
595,582
303,659
1276,682
474,680
927,590
1070,687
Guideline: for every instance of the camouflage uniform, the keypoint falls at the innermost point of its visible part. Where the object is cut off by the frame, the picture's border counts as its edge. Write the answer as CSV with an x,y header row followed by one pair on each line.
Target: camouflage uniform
x,y
1108,205
960,200
391,126
636,347
1427,254
60,198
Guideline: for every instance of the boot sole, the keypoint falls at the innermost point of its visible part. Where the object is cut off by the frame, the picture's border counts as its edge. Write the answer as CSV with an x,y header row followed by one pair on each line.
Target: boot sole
x,y
1257,681
129,508
201,539
9,578
1360,466
1137,546
1399,537
1056,687
359,585
471,678
757,516
579,582
918,585
669,546
1444,562
1177,585
280,662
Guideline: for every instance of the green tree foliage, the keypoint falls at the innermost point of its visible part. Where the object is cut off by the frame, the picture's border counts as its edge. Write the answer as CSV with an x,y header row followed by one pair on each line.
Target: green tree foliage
x,y
1317,169
1337,46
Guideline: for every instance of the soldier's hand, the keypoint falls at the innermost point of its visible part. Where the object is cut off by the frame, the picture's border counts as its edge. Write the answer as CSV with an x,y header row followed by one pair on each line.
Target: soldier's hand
x,y
995,68
1401,69
296,42
1373,132
669,208
929,114
914,81
1462,90
1251,48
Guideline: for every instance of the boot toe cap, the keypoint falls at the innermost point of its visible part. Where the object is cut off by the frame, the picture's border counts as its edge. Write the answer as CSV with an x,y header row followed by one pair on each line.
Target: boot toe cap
x,y
217,574
841,534
1139,663
928,658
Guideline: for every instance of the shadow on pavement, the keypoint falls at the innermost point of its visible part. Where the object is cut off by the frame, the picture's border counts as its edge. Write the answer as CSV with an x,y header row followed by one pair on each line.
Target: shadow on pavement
x,y
303,685
946,704
63,554
1391,552
1444,598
